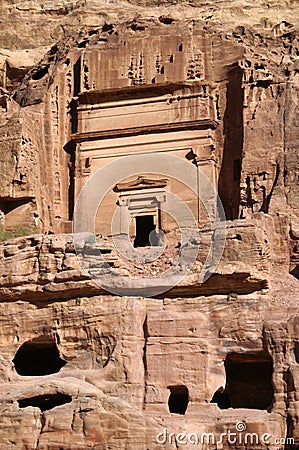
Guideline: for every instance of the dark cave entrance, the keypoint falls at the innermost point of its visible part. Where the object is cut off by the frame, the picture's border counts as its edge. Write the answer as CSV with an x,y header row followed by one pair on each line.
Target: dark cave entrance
x,y
144,226
46,401
39,356
221,398
178,399
248,382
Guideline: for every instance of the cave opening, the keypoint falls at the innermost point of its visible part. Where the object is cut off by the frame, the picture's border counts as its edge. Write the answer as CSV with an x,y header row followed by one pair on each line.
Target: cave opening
x,y
221,398
144,227
40,73
178,399
46,401
39,356
248,382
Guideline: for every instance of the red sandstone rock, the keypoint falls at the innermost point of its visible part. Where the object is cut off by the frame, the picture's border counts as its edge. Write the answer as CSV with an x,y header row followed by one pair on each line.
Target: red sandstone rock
x,y
82,84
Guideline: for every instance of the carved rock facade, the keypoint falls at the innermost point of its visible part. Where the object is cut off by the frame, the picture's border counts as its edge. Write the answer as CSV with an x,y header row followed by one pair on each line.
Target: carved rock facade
x,y
81,368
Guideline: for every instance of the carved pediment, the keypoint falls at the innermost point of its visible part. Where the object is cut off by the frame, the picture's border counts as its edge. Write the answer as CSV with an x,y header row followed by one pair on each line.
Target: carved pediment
x,y
141,182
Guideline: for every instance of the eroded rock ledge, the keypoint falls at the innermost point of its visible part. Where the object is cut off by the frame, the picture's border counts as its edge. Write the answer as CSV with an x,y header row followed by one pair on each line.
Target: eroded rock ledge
x,y
43,268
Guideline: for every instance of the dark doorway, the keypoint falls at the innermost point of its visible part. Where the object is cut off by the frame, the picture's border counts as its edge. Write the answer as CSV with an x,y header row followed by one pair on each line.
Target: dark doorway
x,y
46,401
248,382
178,399
39,356
144,226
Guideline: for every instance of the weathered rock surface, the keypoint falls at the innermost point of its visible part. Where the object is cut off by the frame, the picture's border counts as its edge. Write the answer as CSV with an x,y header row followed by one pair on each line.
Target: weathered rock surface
x,y
49,268
81,368
122,354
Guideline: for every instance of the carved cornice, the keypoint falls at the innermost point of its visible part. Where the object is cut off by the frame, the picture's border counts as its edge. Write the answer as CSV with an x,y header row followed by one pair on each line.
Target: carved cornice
x,y
141,182
205,124
137,91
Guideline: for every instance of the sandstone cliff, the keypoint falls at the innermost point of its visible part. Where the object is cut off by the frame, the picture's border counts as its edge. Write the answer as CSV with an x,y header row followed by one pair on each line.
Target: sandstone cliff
x,y
84,368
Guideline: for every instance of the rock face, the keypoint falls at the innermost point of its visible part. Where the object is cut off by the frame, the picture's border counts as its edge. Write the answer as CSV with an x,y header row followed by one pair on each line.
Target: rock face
x,y
91,357
82,369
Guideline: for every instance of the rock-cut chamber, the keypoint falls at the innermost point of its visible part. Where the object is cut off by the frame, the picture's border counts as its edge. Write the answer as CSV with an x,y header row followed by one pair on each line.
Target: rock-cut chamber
x,y
248,382
39,356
